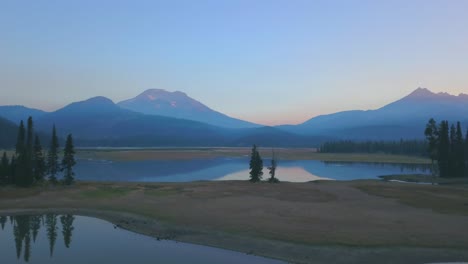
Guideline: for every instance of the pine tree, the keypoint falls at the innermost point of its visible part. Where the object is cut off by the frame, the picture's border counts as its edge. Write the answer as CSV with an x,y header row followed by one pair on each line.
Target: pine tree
x,y
21,138
256,165
466,154
459,152
452,156
444,149
52,157
432,136
272,168
13,167
28,154
39,161
20,171
68,161
4,169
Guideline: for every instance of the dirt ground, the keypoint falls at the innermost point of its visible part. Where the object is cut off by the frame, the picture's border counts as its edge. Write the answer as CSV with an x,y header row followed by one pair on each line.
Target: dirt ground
x,y
316,222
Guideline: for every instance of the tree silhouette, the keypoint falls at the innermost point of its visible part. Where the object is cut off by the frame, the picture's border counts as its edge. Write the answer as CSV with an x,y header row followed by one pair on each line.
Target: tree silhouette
x,y
52,157
272,168
40,167
459,153
256,165
20,173
432,135
68,161
28,154
4,169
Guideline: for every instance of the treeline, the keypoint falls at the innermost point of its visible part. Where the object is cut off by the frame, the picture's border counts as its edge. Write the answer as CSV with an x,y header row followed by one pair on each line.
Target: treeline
x,y
402,147
447,147
30,164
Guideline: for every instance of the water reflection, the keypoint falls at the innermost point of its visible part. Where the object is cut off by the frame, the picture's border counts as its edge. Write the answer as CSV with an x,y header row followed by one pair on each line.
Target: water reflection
x,y
235,169
26,228
37,239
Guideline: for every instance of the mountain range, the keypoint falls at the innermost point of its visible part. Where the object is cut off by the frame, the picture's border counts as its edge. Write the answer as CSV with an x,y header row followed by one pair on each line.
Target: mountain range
x,y
405,118
160,118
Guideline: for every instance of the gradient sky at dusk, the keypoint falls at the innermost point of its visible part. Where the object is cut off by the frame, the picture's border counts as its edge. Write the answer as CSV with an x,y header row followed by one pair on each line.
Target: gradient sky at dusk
x,y
266,61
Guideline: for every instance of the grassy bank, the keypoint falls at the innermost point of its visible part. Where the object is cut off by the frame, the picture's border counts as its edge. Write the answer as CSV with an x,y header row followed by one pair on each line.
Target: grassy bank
x,y
281,153
359,221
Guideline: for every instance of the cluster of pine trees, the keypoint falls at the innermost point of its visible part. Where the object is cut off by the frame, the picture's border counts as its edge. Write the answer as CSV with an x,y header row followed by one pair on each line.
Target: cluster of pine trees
x,y
402,147
448,147
29,164
256,167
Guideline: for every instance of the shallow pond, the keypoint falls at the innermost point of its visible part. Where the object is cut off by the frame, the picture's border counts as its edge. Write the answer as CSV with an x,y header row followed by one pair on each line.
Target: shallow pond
x,y
77,239
234,169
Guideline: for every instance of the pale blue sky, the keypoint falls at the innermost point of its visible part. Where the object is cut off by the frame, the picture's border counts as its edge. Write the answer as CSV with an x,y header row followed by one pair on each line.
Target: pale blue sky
x,y
266,61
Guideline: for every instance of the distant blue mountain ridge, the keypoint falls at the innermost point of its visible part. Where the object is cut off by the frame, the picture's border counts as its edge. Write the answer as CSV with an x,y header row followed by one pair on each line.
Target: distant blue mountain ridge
x,y
160,118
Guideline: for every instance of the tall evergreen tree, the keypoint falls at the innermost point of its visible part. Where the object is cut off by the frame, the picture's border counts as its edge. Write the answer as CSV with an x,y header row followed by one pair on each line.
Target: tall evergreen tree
x,y
4,169
444,149
466,154
20,171
452,161
52,157
256,165
432,136
459,152
68,161
28,155
40,167
13,167
21,138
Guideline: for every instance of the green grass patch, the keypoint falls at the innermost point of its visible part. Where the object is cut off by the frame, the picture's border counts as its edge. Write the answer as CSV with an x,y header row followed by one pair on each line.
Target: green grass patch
x,y
106,192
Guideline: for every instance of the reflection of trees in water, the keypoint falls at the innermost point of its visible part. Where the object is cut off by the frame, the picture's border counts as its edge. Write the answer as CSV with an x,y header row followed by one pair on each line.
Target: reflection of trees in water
x,y
51,227
67,228
3,220
27,227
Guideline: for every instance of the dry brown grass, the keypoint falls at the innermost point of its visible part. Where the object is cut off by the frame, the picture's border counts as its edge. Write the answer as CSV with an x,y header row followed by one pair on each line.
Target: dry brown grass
x,y
285,216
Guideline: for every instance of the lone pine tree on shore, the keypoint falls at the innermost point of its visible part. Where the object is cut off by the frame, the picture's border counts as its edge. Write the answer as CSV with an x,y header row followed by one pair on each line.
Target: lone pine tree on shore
x,y
272,168
256,165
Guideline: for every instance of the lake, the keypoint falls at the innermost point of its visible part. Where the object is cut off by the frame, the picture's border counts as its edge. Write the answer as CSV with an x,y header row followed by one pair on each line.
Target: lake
x,y
72,239
234,169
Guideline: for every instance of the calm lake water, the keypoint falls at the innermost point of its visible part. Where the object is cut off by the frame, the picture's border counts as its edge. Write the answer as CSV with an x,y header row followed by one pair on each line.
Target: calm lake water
x,y
77,239
233,169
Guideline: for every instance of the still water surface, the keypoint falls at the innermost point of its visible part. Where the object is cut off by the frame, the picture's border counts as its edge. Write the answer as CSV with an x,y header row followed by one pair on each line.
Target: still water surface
x,y
233,169
72,239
